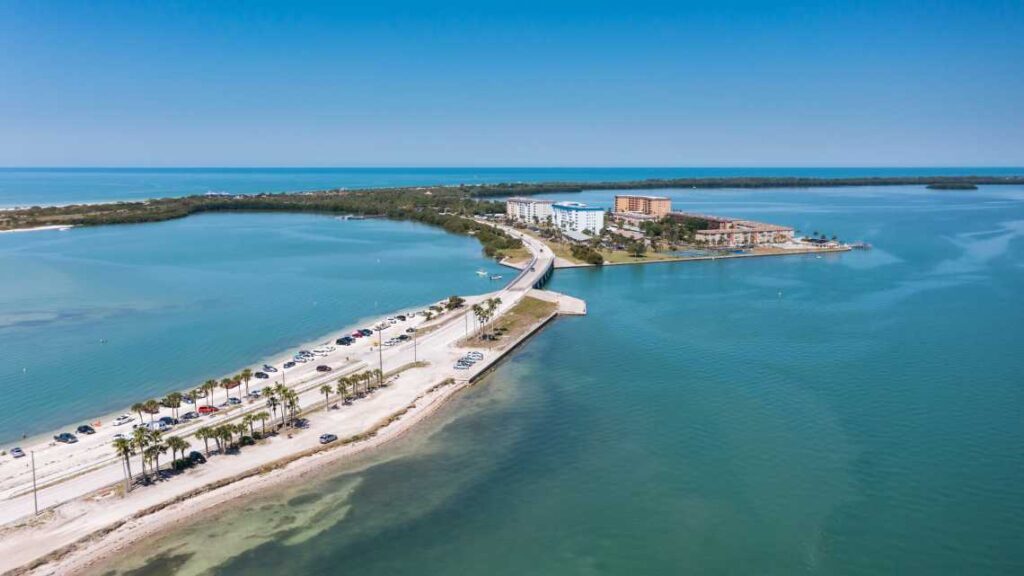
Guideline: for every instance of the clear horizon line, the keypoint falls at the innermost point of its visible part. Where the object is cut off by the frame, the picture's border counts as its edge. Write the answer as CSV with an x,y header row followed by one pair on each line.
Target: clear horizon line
x,y
502,167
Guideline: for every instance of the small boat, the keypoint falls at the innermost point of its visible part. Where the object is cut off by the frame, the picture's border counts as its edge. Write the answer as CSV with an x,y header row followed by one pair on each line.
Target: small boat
x,y
481,272
496,276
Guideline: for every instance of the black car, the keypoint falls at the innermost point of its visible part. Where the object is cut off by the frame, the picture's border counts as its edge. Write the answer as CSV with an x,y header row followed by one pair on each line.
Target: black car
x,y
196,457
168,420
401,317
404,337
66,438
86,429
261,375
345,341
410,330
288,365
323,368
190,415
366,332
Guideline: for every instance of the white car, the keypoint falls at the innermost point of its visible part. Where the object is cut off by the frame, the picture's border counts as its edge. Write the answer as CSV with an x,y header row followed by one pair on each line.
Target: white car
x,y
123,419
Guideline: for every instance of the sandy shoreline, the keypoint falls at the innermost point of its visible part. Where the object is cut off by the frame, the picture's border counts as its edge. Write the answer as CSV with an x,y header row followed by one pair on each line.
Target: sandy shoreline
x,y
97,549
61,228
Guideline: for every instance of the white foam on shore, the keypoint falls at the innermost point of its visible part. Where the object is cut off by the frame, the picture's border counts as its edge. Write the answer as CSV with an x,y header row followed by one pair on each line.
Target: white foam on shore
x,y
61,228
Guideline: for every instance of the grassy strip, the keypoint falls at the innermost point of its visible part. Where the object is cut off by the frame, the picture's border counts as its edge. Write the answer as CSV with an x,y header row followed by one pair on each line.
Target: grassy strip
x,y
512,324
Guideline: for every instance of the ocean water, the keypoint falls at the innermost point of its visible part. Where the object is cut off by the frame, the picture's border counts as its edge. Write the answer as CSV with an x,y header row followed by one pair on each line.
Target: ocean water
x,y
858,413
95,319
49,186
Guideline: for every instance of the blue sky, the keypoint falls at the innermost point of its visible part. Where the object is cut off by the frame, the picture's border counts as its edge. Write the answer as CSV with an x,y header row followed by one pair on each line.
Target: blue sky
x,y
455,83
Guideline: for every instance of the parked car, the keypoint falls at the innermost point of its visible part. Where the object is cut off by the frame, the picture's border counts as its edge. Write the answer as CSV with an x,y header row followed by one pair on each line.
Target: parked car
x,y
168,420
323,368
66,438
327,438
190,416
196,457
261,375
410,330
401,317
366,332
288,365
123,419
234,401
208,409
158,426
86,429
17,452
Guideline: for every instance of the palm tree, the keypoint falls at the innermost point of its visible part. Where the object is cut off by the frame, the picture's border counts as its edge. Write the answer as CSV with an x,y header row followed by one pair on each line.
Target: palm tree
x,y
138,407
262,417
153,453
209,386
226,384
194,396
379,375
140,440
326,390
272,401
173,401
204,434
177,444
246,376
123,448
151,407
342,388
293,404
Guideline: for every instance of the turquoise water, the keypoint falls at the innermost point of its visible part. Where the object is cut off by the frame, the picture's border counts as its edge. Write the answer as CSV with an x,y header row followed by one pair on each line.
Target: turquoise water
x,y
860,413
182,301
44,186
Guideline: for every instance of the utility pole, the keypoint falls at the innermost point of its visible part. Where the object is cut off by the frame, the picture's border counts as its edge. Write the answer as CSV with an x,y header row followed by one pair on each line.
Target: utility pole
x,y
35,496
380,353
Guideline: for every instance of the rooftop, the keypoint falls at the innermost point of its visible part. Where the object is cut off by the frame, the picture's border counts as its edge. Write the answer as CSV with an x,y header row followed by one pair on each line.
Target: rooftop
x,y
641,196
533,200
577,206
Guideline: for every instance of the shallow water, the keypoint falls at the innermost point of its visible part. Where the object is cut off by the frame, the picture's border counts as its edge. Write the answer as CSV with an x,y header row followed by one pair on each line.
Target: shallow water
x,y
859,413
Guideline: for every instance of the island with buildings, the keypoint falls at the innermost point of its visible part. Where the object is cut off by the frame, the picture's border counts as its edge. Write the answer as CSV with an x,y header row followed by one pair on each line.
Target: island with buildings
x,y
643,229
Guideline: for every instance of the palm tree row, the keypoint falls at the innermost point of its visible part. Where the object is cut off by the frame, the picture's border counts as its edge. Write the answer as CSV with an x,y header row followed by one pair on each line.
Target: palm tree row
x,y
204,390
485,311
354,386
280,396
150,444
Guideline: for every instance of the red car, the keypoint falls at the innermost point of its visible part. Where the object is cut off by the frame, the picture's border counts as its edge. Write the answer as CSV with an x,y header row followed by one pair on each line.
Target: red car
x,y
208,409
357,334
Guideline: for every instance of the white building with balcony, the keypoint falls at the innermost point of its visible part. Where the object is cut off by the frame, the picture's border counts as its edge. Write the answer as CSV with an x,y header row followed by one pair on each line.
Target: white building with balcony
x,y
578,217
529,210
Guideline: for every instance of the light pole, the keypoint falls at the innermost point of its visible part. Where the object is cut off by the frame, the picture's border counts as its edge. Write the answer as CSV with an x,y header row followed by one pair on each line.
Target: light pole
x,y
380,352
35,496
414,351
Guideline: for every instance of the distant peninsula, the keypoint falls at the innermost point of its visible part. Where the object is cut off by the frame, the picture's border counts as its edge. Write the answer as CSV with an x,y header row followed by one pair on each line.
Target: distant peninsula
x,y
442,206
953,186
